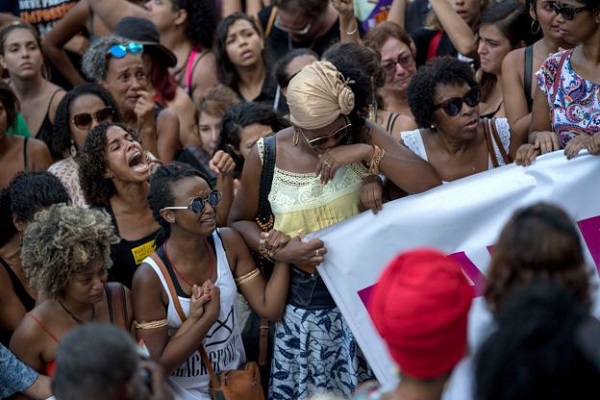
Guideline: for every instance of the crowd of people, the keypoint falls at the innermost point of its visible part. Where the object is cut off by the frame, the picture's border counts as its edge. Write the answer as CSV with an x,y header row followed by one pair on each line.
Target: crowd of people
x,y
166,162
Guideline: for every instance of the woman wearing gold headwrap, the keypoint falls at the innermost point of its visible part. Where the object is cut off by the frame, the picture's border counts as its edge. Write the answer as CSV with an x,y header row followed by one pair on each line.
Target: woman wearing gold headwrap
x,y
320,166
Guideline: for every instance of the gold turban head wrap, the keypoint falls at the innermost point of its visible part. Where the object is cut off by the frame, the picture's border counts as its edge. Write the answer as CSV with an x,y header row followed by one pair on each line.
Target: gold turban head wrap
x,y
317,95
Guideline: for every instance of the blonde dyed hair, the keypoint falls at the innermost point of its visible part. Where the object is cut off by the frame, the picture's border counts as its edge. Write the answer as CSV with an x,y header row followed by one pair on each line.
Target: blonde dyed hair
x,y
63,241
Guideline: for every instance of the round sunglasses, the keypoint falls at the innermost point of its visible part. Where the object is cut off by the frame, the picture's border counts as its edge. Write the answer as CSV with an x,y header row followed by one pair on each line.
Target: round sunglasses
x,y
198,204
336,135
453,105
84,121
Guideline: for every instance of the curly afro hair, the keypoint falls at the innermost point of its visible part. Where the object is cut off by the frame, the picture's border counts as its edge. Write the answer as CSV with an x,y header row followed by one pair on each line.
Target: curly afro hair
x,y
424,83
97,189
26,194
203,18
161,191
63,241
61,130
94,63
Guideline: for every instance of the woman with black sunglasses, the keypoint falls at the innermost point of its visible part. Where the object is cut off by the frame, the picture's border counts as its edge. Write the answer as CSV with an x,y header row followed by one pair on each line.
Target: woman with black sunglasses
x,y
444,98
566,107
207,266
82,109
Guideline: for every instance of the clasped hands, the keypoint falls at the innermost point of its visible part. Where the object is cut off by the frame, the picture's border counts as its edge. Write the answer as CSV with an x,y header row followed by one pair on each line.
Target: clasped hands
x,y
293,250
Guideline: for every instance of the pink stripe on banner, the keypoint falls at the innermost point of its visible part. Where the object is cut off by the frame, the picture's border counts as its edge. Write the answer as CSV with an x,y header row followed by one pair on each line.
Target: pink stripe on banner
x,y
590,229
365,295
471,271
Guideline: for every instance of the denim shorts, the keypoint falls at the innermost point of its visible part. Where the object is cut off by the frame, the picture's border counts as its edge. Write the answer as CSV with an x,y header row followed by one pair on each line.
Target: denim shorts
x,y
308,291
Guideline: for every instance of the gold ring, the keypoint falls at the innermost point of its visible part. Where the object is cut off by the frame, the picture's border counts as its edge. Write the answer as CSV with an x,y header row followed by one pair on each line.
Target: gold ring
x,y
317,252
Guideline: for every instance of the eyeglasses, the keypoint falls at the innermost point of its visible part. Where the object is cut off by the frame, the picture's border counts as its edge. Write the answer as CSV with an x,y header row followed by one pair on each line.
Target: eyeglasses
x,y
568,13
84,121
300,32
198,203
406,61
337,135
121,50
453,105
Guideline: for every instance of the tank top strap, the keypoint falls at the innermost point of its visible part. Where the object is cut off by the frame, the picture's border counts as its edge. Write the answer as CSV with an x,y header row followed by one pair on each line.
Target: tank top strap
x,y
43,326
25,156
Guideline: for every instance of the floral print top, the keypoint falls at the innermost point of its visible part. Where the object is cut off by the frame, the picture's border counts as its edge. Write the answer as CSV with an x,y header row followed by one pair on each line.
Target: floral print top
x,y
574,101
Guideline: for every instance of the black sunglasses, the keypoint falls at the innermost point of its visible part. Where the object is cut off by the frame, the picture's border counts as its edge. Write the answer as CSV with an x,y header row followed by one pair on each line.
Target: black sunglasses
x,y
568,13
453,105
83,121
198,203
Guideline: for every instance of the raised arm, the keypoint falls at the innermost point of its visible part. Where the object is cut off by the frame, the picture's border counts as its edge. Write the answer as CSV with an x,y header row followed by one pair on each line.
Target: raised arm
x,y
461,35
348,23
112,11
53,44
397,12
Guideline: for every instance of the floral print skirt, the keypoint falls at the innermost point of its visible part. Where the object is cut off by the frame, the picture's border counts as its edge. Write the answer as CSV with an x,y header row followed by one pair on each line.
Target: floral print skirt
x,y
315,352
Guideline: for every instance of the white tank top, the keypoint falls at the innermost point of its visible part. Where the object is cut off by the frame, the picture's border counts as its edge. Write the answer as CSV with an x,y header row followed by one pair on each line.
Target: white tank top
x,y
223,342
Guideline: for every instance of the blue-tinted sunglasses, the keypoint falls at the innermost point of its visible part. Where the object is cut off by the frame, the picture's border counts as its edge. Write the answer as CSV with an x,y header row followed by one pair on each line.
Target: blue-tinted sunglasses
x,y
121,50
198,203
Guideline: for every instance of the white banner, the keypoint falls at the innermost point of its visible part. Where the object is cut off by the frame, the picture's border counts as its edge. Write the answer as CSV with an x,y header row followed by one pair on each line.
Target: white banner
x,y
462,218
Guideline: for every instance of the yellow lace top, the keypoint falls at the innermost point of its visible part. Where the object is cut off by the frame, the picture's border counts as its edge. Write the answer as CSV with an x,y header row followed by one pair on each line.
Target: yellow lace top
x,y
300,202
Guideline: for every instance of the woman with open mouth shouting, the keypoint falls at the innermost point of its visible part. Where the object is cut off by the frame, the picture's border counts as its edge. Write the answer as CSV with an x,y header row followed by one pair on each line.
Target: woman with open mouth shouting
x,y
114,172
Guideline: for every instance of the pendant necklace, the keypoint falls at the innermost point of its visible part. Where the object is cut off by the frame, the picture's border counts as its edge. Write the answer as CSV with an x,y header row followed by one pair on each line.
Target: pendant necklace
x,y
75,317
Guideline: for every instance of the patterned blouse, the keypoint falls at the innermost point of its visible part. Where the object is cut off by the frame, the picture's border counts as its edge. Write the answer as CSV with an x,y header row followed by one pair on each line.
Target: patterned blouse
x,y
15,377
574,101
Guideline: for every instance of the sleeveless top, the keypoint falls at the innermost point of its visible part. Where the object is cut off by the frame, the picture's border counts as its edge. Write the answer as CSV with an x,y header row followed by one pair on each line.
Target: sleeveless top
x,y
50,366
127,255
187,73
22,294
223,342
300,202
414,141
574,101
45,132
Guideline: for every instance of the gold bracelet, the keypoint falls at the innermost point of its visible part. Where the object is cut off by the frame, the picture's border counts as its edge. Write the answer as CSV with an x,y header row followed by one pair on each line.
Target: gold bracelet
x,y
150,325
247,277
378,154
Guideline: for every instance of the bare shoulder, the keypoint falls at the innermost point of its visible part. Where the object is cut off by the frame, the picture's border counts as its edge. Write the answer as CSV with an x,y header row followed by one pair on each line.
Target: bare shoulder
x,y
513,61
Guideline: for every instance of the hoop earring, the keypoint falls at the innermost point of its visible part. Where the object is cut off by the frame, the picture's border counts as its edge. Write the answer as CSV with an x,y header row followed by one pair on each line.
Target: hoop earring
x,y
535,27
296,137
73,149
